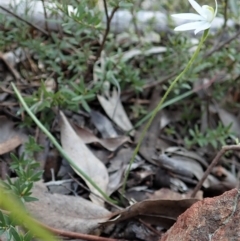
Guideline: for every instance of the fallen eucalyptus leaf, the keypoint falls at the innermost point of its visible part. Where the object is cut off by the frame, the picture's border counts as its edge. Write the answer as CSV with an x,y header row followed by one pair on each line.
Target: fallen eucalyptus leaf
x,y
66,212
84,159
103,124
114,109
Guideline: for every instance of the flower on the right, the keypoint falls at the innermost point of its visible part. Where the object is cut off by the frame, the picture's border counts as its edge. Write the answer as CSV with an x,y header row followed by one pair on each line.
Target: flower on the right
x,y
202,20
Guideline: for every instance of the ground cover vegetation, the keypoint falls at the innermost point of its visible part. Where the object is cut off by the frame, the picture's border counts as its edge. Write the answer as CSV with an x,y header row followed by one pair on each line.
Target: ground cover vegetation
x,y
77,91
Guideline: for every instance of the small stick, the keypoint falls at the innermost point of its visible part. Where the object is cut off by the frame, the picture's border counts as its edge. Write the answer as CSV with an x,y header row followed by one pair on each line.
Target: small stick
x,y
77,235
221,45
214,163
25,21
106,32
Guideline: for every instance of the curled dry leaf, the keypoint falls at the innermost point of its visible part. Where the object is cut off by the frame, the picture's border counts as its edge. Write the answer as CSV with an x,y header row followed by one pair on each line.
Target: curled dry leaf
x,y
84,159
161,212
103,124
183,165
110,144
184,152
114,109
10,138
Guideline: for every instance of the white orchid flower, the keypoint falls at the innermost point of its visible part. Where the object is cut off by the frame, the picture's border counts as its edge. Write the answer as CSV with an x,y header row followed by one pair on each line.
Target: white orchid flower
x,y
203,19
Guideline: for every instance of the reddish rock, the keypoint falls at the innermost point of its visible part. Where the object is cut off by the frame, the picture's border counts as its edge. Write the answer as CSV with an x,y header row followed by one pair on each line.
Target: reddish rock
x,y
215,219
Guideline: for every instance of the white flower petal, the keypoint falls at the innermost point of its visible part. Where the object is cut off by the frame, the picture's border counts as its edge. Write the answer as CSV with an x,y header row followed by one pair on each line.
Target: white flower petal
x,y
197,7
202,21
188,16
204,26
190,26
209,12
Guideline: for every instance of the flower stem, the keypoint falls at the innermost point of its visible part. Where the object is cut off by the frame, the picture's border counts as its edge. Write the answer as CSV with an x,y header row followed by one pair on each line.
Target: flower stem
x,y
58,146
155,111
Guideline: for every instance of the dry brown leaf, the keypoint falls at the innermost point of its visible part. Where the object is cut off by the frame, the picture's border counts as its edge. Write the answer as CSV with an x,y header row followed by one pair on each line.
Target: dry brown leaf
x,y
119,116
162,212
84,159
183,165
66,212
103,124
184,152
10,138
110,144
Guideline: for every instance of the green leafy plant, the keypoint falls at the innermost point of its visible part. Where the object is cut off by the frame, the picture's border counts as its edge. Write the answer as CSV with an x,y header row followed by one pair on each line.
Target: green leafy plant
x,y
216,137
27,172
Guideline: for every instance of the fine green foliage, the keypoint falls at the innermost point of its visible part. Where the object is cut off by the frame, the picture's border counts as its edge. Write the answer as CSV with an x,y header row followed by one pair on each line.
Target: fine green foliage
x,y
27,171
215,137
14,193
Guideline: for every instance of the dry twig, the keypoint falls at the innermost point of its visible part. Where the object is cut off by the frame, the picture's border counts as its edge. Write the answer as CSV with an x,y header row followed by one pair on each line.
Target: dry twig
x,y
222,45
25,21
214,163
106,32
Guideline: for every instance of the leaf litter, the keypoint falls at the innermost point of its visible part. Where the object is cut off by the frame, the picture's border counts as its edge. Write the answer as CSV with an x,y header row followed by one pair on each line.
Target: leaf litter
x,y
110,144
162,211
165,170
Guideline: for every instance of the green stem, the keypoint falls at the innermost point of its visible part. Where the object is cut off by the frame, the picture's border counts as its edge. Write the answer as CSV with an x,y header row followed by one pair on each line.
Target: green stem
x,y
164,105
160,104
59,148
